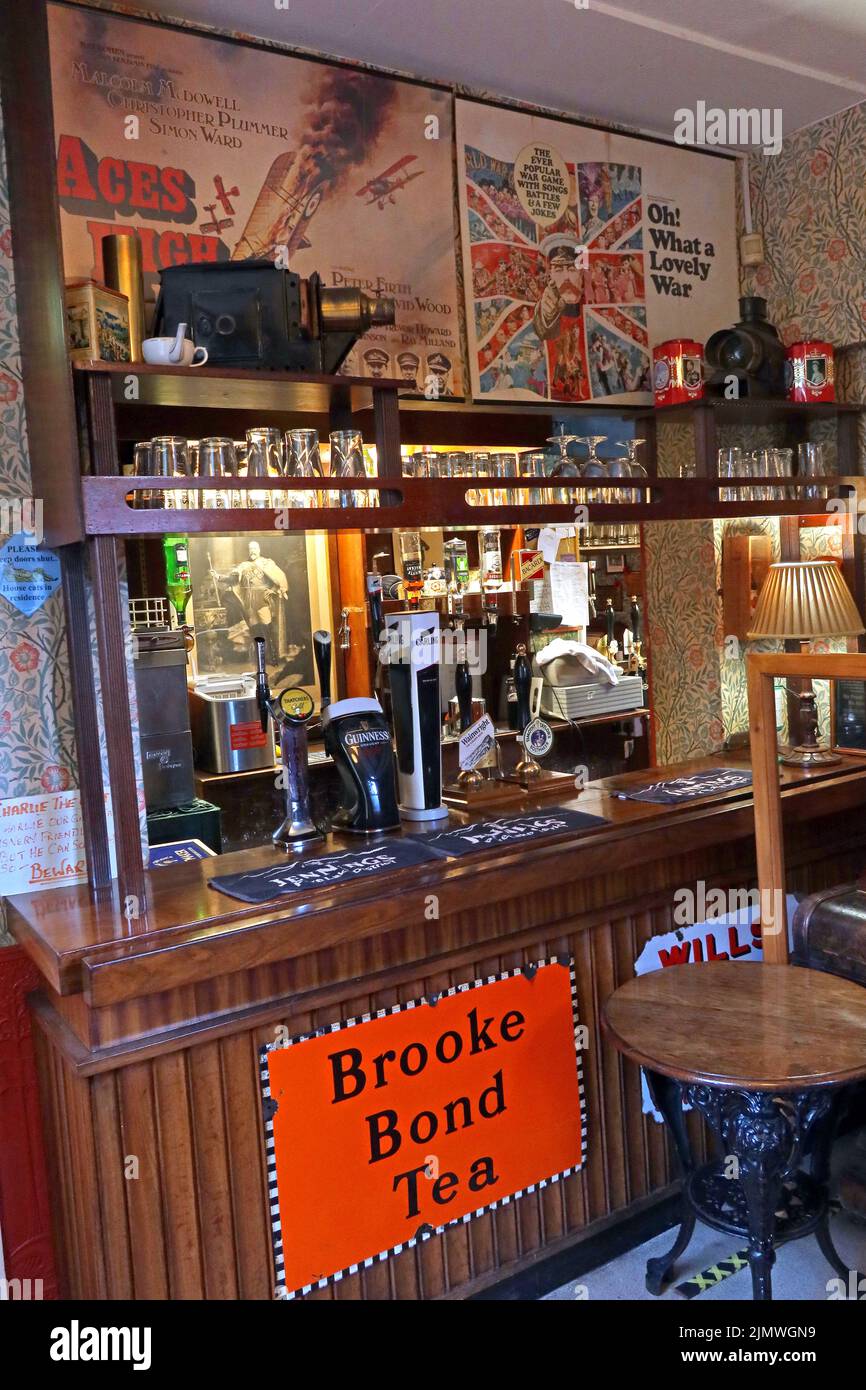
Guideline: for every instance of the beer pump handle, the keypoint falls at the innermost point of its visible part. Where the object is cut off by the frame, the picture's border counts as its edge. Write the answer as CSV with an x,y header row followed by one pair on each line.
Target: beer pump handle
x,y
522,686
377,617
263,690
463,691
635,618
322,650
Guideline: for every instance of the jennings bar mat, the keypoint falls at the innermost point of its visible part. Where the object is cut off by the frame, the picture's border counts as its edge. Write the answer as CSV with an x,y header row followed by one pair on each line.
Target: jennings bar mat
x,y
710,783
509,830
323,871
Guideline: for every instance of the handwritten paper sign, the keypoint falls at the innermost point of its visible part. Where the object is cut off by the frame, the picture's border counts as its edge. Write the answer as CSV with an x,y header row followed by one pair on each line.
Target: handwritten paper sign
x,y
41,842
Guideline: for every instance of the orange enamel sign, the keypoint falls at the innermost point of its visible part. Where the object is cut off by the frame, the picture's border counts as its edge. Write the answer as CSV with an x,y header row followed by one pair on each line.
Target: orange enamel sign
x,y
384,1130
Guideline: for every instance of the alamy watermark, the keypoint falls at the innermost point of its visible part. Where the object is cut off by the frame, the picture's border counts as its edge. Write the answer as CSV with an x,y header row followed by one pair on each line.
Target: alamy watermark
x,y
760,127
742,905
22,515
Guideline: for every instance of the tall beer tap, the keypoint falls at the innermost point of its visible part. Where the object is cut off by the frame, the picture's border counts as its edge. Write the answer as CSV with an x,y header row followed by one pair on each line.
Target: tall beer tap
x,y
292,712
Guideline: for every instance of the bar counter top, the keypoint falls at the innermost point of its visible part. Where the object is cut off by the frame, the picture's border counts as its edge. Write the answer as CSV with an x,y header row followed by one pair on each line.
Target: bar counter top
x,y
190,931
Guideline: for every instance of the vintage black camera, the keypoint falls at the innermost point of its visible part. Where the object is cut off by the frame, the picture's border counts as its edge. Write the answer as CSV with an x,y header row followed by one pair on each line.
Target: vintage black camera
x,y
751,351
252,314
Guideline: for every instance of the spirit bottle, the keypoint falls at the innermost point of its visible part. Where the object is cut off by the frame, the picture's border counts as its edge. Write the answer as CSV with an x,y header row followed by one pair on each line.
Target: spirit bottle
x,y
178,584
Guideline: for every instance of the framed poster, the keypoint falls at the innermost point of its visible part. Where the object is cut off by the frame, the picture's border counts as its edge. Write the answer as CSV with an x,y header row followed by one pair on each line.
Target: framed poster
x,y
581,250
848,717
266,584
382,1131
212,150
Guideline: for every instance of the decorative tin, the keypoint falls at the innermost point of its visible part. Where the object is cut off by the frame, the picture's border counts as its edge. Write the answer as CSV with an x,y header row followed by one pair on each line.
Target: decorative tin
x,y
97,322
809,371
678,371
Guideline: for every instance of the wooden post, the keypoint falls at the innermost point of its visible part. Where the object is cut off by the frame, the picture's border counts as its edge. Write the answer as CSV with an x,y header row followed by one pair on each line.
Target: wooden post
x,y
762,669
769,845
85,716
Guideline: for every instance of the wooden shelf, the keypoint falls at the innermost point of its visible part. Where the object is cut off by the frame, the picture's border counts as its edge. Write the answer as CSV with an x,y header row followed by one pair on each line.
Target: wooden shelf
x,y
414,502
750,412
219,388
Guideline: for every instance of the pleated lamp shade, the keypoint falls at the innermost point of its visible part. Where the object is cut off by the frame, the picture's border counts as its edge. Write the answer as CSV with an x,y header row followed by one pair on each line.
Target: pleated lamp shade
x,y
804,599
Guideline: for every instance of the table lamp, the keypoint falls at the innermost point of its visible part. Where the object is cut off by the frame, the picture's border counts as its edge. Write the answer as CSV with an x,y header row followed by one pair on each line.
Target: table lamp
x,y
802,600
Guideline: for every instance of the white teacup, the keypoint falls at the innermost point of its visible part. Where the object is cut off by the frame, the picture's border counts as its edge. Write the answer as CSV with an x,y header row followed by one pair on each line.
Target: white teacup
x,y
165,352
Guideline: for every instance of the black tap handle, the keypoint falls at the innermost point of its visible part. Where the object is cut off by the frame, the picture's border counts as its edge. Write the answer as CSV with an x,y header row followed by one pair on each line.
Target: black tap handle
x,y
263,689
322,650
377,617
635,618
463,691
522,686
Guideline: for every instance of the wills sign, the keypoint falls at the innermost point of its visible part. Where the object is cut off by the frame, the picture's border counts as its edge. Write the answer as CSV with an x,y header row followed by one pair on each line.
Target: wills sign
x,y
382,1131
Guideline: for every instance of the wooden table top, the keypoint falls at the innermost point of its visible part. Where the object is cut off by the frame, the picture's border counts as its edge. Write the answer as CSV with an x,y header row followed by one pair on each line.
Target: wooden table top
x,y
739,1023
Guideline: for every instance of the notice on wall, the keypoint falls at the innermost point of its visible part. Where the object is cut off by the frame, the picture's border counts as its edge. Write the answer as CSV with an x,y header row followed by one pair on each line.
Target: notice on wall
x,y
216,151
385,1130
569,592
42,842
581,250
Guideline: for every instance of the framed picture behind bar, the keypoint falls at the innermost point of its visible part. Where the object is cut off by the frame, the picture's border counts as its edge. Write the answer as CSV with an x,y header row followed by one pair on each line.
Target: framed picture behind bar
x,y
214,150
848,716
259,584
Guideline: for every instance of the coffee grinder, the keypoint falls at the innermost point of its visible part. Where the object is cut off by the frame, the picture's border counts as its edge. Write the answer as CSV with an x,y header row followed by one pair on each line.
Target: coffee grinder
x,y
413,663
358,739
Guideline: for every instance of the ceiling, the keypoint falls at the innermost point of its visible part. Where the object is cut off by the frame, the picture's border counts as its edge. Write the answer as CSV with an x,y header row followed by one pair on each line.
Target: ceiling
x,y
634,63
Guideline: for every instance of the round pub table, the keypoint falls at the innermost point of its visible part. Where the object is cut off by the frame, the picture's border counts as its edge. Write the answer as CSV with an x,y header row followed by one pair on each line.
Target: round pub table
x,y
767,1054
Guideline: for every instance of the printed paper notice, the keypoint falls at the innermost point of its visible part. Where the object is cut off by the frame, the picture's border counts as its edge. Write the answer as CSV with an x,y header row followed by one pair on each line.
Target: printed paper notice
x,y
569,587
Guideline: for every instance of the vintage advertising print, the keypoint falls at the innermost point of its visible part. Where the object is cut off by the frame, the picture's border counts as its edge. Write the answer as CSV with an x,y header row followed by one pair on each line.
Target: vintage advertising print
x,y
216,151
581,249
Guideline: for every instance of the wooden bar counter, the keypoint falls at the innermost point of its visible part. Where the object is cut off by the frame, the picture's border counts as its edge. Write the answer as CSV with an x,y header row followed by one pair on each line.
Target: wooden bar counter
x,y
148,1030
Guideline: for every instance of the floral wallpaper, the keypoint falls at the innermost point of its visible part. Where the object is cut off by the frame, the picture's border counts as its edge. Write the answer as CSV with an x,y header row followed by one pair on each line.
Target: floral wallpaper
x,y
37,751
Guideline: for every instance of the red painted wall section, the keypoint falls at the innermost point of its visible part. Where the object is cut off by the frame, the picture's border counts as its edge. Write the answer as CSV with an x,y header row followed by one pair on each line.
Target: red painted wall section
x,y
24,1212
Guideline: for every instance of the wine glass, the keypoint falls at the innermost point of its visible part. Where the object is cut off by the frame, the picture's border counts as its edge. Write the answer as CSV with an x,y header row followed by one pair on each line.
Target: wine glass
x,y
594,467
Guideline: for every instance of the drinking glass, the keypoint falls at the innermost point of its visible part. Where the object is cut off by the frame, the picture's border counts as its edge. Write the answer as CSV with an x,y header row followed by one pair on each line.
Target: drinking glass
x,y
731,465
783,467
503,466
532,465
141,469
169,458
217,459
265,459
812,463
302,452
347,461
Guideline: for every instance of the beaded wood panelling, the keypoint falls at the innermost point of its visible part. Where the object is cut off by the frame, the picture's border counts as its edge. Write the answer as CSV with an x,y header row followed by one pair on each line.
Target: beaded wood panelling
x,y
194,1222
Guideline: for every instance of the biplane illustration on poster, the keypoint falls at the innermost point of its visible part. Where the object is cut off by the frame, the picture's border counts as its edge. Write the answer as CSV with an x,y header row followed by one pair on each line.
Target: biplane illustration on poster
x,y
581,249
211,150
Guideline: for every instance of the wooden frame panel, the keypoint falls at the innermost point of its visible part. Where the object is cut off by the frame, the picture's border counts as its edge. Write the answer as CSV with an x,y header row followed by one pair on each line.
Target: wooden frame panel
x,y
762,669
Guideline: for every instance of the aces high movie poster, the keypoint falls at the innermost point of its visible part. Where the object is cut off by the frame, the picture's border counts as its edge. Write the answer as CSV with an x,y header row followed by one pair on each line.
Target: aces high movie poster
x,y
211,150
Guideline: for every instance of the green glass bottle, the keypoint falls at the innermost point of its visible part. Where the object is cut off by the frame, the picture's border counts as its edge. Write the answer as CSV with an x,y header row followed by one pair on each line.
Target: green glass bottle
x,y
178,584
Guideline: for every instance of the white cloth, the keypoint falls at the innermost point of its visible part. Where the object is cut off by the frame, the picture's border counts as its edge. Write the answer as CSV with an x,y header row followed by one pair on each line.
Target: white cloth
x,y
588,657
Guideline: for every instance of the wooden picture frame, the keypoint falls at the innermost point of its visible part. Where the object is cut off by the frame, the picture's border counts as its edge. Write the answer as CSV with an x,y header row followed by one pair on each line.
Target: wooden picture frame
x,y
843,741
762,669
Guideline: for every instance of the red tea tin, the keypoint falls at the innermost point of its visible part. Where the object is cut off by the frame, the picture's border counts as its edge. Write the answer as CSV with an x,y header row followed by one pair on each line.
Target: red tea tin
x,y
809,371
678,371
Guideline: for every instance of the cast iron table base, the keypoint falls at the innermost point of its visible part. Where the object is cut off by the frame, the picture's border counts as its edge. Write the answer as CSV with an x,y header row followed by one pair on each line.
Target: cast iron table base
x,y
757,1189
